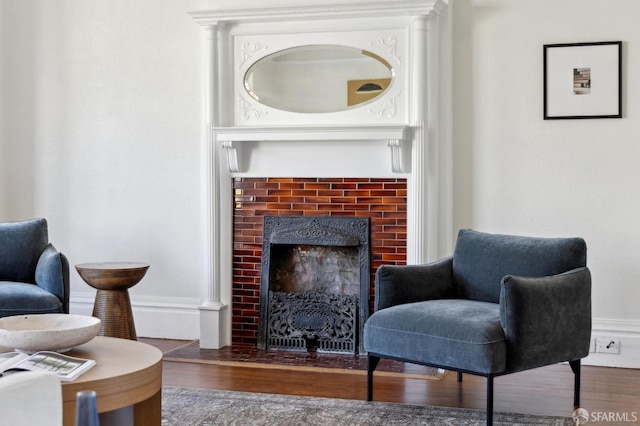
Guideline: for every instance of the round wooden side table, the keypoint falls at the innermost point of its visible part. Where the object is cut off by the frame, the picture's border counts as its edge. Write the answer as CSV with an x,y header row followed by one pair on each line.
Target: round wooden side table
x,y
112,305
126,374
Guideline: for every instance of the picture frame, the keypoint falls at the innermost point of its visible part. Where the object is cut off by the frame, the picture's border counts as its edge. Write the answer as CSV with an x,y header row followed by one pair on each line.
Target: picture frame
x,y
583,80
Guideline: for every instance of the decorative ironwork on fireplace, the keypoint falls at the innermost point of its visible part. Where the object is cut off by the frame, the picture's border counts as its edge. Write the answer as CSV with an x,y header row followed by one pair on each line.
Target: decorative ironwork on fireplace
x,y
314,283
313,321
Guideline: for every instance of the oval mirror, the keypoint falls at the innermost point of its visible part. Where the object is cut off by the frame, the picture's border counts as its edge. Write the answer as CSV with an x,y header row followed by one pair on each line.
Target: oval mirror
x,y
322,78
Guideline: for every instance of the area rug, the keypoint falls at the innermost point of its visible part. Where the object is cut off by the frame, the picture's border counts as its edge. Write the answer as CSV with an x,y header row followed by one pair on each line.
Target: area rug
x,y
251,357
206,407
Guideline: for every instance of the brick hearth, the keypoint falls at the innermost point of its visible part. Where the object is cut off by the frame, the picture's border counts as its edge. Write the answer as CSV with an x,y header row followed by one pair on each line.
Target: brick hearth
x,y
384,201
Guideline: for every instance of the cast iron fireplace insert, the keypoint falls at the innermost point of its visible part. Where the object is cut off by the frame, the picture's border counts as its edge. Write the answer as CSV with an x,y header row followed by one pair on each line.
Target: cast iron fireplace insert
x,y
314,290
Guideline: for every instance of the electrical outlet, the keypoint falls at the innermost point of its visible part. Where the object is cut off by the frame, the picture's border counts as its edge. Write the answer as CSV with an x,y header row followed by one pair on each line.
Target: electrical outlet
x,y
608,346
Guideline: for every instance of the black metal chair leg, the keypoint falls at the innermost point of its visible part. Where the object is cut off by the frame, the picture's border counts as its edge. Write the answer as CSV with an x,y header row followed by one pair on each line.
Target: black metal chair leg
x,y
575,366
489,400
372,363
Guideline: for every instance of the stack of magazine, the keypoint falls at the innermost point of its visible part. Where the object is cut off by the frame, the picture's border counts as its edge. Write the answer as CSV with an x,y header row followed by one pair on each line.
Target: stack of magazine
x,y
67,368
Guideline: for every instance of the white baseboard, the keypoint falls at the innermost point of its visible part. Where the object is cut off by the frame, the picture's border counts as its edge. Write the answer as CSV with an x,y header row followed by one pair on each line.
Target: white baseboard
x,y
179,318
625,333
156,317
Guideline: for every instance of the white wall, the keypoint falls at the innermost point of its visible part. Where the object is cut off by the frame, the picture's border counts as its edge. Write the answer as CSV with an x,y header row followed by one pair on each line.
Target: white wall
x,y
4,146
104,140
516,173
104,137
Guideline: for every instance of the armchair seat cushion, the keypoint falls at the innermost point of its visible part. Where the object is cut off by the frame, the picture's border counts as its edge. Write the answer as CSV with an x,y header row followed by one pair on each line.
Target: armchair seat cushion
x,y
456,333
18,298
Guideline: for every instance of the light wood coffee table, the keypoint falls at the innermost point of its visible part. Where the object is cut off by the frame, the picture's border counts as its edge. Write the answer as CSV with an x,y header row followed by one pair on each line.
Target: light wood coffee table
x,y
127,373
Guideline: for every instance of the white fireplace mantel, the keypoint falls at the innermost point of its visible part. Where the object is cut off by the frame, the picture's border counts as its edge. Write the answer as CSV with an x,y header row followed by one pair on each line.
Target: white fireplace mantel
x,y
403,132
396,138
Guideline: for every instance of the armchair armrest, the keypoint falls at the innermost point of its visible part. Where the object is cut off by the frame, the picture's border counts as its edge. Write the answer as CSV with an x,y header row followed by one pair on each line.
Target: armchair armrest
x,y
396,285
546,320
52,274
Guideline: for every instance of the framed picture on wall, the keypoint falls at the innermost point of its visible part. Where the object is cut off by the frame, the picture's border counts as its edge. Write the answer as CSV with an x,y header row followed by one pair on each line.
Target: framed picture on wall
x,y
583,80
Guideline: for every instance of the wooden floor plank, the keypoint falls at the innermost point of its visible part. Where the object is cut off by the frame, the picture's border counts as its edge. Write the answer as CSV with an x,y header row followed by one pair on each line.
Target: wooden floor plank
x,y
544,391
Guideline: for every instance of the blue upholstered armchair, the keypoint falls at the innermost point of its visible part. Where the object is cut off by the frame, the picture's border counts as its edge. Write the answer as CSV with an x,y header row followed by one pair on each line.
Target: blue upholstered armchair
x,y
501,304
34,276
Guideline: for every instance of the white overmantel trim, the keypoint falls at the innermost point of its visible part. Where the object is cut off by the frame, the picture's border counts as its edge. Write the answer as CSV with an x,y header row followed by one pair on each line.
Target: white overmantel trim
x,y
357,10
312,132
395,136
416,140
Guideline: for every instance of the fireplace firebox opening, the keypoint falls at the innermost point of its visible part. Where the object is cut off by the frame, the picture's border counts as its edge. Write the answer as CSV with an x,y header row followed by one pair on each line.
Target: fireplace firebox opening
x,y
314,284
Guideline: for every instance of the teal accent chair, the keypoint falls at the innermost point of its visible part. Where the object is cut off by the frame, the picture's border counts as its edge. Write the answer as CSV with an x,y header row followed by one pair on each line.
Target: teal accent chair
x,y
34,276
501,304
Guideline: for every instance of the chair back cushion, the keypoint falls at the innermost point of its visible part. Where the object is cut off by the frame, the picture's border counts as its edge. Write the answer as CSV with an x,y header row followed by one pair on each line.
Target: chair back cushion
x,y
481,260
21,244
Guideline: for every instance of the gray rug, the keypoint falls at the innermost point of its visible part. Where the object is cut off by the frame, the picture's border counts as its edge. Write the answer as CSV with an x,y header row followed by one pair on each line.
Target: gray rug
x,y
205,407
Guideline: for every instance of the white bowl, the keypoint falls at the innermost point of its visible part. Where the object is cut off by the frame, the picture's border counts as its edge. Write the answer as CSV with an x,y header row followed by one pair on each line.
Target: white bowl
x,y
47,332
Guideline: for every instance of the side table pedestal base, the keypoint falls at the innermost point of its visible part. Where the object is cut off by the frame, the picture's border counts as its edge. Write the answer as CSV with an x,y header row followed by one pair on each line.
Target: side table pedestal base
x,y
114,310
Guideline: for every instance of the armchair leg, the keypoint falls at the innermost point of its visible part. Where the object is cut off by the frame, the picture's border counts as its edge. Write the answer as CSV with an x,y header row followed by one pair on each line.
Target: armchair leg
x,y
575,366
372,363
489,400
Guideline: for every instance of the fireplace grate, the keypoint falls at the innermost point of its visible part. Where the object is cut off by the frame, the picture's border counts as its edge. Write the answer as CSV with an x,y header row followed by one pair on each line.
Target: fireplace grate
x,y
313,321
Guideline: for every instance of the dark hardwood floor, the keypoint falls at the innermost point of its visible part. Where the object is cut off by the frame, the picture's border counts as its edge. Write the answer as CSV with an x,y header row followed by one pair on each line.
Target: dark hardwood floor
x,y
544,391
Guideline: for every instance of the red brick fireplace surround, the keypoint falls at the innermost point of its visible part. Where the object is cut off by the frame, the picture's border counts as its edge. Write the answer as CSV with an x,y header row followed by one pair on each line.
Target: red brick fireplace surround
x,y
384,201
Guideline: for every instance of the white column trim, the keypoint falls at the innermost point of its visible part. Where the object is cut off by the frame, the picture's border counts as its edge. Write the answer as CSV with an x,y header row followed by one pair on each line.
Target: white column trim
x,y
213,312
418,232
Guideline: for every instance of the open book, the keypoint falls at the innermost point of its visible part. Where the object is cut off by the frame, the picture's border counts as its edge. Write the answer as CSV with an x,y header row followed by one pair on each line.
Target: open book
x,y
67,368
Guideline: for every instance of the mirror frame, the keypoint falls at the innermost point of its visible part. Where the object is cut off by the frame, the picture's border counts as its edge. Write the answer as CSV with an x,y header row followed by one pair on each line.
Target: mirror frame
x,y
390,107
